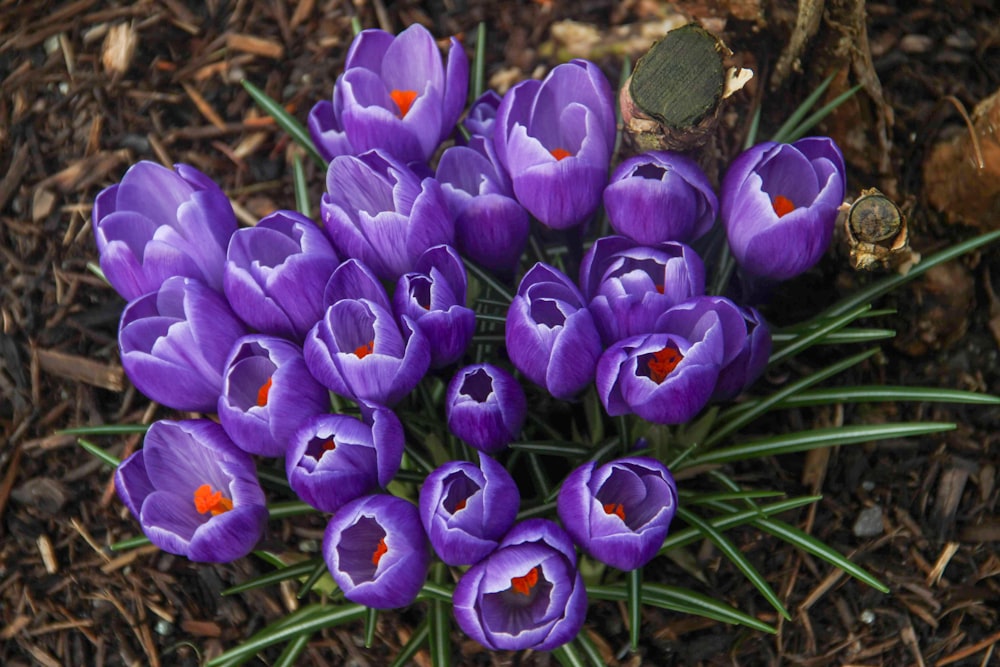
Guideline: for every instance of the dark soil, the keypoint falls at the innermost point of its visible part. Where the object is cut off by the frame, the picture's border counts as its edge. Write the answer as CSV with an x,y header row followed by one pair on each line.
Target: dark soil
x,y
73,116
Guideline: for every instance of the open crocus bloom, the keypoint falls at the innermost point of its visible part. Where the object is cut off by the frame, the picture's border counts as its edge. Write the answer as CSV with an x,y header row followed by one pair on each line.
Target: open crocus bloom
x,y
194,492
485,407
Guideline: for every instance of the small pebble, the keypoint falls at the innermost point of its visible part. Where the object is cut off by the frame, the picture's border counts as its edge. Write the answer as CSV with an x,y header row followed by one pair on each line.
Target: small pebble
x,y
869,522
867,617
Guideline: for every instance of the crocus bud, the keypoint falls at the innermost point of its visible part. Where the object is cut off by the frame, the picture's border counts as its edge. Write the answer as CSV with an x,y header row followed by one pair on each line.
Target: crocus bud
x,y
619,512
628,286
482,115
526,594
267,394
779,204
395,94
376,550
175,341
555,138
159,223
485,407
466,509
333,459
660,196
275,274
194,492
551,336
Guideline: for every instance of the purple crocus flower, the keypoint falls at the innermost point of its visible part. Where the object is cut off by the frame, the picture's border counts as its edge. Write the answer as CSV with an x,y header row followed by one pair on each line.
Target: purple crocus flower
x,y
482,115
395,94
555,138
485,407
466,509
434,298
663,378
376,550
628,286
267,394
174,343
526,594
551,336
745,335
779,203
194,492
660,196
275,274
619,512
377,210
333,459
159,223
491,227
359,351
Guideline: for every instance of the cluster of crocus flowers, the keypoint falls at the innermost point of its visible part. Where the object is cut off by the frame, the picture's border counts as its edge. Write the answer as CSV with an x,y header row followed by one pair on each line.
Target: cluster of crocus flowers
x,y
260,325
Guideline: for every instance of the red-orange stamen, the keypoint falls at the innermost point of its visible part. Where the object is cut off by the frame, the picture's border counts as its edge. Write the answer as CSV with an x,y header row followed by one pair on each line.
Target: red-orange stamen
x,y
659,288
363,351
404,100
460,505
663,362
380,551
782,205
205,500
523,585
615,508
263,392
560,153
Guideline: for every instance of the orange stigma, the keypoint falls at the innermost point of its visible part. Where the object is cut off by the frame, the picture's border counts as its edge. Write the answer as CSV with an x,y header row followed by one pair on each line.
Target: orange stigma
x,y
363,351
328,446
207,501
404,99
782,205
523,585
460,505
663,363
380,551
262,393
560,153
615,508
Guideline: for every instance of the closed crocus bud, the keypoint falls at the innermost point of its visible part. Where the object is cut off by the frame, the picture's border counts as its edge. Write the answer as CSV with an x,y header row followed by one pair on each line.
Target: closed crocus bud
x,y
660,196
485,407
358,351
376,550
551,336
746,338
555,138
779,204
526,594
491,227
466,509
483,114
174,343
194,492
663,378
267,394
434,298
628,286
380,212
275,274
159,223
333,459
395,94
619,512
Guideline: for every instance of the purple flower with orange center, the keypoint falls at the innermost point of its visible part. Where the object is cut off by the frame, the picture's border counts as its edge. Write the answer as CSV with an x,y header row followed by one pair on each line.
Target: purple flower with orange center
x,y
333,459
485,407
267,394
159,223
174,343
395,94
779,204
376,550
526,594
194,492
628,285
555,138
619,512
466,509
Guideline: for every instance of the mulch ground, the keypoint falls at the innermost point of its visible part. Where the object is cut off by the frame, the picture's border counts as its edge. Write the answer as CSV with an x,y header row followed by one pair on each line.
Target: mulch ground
x,y
88,88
